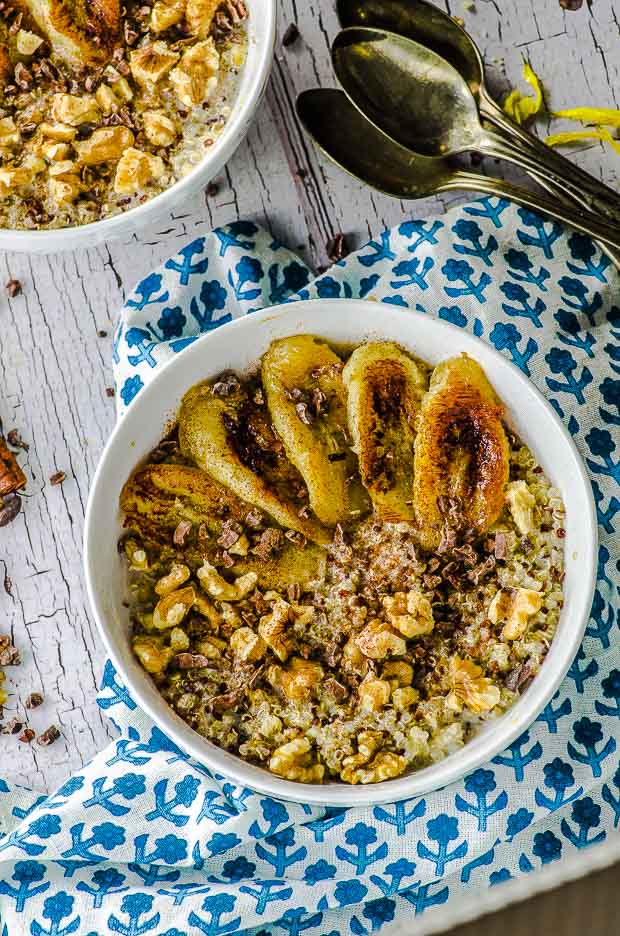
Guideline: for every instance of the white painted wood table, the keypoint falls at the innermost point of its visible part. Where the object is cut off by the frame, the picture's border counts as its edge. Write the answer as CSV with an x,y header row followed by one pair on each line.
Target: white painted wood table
x,y
55,365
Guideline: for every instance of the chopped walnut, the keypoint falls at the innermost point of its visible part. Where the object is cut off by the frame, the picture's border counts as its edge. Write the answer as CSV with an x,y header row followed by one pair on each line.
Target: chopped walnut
x,y
522,506
405,697
105,145
152,653
136,169
293,761
410,613
199,16
300,678
27,42
75,110
172,608
159,129
61,132
9,132
398,673
471,688
246,645
55,152
368,743
178,575
150,63
106,99
374,694
219,588
377,641
195,77
353,660
515,606
166,13
272,628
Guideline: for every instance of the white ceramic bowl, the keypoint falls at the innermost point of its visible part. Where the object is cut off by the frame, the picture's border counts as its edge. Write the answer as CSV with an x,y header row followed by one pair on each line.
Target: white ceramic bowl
x,y
239,345
252,84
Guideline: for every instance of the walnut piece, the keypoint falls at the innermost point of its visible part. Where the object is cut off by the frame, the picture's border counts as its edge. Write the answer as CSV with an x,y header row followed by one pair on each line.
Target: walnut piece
x,y
398,672
9,133
55,152
152,653
300,678
65,184
74,110
172,608
166,13
374,694
150,63
377,641
12,179
385,766
522,503
135,169
159,129
105,145
60,132
272,628
368,743
293,761
410,613
106,99
471,688
219,588
515,606
27,42
405,697
195,77
247,646
178,575
199,16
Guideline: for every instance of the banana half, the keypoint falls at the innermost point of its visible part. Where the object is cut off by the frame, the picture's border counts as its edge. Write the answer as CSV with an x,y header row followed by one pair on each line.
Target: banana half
x,y
384,390
302,378
232,440
461,451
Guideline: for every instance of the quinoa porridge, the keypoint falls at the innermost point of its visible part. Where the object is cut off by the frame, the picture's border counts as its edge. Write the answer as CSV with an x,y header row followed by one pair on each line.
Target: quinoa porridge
x,y
342,566
102,106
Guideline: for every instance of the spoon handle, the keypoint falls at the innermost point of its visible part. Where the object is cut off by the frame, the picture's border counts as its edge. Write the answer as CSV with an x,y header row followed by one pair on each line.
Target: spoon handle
x,y
575,217
576,182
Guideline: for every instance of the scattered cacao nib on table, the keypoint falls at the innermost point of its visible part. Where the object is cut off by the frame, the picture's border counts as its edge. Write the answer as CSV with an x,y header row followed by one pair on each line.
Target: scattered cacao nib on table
x,y
13,288
57,478
34,700
48,736
337,248
13,438
571,5
9,654
291,35
27,735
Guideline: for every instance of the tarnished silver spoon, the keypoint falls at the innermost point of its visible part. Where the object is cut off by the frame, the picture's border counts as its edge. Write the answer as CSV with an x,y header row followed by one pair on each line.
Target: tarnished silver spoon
x,y
422,102
363,150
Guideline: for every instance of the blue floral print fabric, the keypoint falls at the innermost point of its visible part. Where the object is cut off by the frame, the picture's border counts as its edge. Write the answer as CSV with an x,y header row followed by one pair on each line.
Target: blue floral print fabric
x,y
146,840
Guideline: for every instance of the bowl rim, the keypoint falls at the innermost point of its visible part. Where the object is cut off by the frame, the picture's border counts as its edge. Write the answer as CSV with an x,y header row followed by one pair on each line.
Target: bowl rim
x,y
514,722
125,222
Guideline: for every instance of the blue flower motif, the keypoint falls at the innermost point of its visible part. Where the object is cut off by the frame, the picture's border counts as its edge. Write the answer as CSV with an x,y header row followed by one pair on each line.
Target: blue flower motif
x,y
108,835
581,246
327,288
186,790
243,228
238,869
558,774
283,837
453,314
481,781
45,826
28,871
610,391
135,904
586,813
131,388
212,295
547,847
382,910
360,834
350,892
72,785
518,821
108,877
274,812
600,442
455,270
58,906
172,323
611,685
518,260
467,230
250,269
587,732
568,321
443,828
319,871
130,786
515,292
560,361
171,849
219,843
400,868
496,877
295,276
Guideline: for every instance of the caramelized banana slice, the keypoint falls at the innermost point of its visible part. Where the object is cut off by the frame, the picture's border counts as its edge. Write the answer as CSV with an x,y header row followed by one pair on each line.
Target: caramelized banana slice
x,y
384,387
158,497
231,438
461,452
302,377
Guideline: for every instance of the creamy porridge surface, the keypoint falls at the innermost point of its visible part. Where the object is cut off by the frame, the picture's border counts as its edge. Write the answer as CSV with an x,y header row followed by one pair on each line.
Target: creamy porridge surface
x,y
341,568
104,109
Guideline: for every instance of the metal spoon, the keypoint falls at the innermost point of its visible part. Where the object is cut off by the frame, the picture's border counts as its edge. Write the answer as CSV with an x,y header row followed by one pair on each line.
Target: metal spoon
x,y
364,151
430,26
421,101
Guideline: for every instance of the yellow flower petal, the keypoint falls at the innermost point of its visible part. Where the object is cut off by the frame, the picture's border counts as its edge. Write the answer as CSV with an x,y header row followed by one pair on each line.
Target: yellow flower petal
x,y
521,107
597,116
574,136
